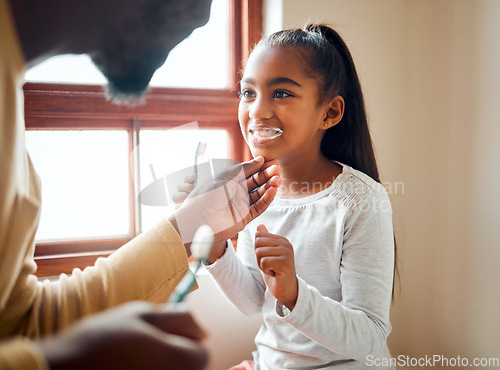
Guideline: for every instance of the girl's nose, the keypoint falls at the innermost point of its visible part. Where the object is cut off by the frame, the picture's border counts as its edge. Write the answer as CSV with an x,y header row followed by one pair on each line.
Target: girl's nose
x,y
260,109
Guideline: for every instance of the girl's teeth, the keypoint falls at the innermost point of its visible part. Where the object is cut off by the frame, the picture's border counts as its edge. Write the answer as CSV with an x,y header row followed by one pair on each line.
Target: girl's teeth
x,y
266,132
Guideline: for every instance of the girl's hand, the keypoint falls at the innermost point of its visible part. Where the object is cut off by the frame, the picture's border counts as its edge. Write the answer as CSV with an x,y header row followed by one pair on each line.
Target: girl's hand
x,y
183,190
276,260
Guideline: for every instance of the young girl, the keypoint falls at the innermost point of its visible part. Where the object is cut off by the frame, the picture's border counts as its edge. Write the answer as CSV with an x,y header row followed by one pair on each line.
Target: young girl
x,y
318,264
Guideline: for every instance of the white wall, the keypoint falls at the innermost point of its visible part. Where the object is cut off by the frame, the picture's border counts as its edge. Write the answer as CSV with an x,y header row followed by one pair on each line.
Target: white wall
x,y
430,70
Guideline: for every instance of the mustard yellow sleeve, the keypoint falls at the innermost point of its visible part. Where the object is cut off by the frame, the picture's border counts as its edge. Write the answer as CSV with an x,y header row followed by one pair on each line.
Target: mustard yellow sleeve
x,y
147,268
21,354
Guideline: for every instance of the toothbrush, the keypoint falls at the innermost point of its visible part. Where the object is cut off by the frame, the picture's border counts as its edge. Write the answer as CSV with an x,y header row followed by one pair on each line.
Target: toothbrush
x,y
200,150
200,249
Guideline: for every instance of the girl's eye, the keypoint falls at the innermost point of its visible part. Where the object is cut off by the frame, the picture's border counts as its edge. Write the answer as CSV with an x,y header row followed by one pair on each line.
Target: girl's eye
x,y
246,94
279,94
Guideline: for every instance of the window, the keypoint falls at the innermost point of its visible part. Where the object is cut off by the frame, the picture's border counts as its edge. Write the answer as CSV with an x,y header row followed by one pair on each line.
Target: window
x,y
98,152
91,175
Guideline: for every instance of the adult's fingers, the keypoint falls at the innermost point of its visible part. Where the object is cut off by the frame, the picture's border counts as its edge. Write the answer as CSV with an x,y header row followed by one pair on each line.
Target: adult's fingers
x,y
130,336
263,176
252,166
258,207
175,319
250,205
257,193
179,353
241,171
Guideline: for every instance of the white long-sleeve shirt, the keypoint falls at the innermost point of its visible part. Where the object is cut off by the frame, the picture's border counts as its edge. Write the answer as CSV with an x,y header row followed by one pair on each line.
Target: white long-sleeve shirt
x,y
344,258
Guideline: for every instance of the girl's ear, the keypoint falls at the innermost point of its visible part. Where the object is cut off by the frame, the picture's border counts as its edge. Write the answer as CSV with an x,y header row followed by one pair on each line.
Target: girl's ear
x,y
334,113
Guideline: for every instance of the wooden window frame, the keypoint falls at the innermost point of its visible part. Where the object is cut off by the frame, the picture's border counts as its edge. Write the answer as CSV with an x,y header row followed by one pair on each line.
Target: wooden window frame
x,y
56,106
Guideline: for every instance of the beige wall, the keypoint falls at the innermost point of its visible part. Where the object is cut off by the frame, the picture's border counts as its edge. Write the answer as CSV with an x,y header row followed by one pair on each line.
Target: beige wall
x,y
431,75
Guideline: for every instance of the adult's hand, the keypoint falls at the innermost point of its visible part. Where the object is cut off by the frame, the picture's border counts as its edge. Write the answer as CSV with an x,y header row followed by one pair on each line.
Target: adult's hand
x,y
230,201
136,335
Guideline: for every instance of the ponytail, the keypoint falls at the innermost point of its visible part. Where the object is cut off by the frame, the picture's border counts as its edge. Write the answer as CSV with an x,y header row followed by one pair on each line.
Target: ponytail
x,y
349,141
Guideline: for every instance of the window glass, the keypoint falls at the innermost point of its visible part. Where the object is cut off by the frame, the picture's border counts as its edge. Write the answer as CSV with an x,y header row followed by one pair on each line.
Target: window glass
x,y
166,158
85,183
200,61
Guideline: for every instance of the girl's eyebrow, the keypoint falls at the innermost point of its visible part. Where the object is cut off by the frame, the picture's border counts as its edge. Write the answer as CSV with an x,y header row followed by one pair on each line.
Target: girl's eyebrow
x,y
274,81
283,80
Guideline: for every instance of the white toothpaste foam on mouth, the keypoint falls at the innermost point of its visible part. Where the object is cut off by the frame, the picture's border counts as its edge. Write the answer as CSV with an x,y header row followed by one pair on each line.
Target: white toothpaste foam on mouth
x,y
266,132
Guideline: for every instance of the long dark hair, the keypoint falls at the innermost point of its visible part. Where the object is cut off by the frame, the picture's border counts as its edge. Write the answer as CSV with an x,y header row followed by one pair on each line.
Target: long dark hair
x,y
331,64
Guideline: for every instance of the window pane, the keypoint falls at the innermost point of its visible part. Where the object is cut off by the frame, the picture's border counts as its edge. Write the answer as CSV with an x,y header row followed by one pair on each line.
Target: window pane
x,y
165,153
200,61
85,183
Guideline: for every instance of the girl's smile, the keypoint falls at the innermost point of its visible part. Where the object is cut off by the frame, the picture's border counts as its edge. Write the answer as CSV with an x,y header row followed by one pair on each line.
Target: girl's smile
x,y
259,135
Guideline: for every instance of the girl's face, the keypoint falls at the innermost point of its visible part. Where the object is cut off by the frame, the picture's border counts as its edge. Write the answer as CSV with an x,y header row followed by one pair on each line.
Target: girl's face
x,y
279,114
